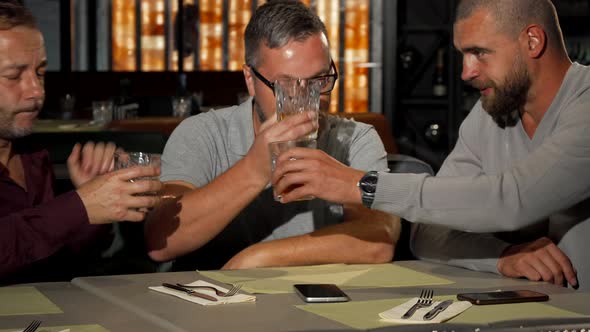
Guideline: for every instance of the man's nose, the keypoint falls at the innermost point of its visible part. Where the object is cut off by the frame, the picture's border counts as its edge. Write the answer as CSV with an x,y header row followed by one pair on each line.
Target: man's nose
x,y
34,87
470,68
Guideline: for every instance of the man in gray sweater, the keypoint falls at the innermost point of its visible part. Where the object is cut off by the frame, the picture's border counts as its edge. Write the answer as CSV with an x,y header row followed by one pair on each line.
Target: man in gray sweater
x,y
521,165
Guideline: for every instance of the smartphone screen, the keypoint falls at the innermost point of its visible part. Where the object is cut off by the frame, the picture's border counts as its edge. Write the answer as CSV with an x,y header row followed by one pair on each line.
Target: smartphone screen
x,y
515,296
320,293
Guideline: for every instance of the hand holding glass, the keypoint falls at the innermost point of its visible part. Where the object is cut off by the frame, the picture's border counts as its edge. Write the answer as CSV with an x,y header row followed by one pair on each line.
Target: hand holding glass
x,y
276,148
295,96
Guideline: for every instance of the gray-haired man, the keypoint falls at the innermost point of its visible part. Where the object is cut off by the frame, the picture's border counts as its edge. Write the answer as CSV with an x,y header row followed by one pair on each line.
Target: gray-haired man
x,y
216,167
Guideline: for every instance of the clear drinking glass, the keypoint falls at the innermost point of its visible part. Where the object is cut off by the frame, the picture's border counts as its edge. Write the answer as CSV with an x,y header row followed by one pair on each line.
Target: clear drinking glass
x,y
102,111
276,148
124,159
295,96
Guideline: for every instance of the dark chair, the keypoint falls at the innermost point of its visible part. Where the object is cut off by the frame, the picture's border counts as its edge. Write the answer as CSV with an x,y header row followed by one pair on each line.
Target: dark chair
x,y
399,163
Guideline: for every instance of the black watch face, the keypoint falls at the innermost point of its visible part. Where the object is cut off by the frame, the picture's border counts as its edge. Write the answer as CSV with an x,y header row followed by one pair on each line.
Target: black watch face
x,y
370,184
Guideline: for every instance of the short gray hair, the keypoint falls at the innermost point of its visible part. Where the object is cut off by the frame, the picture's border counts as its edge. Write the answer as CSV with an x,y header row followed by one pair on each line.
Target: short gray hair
x,y
13,14
512,16
277,22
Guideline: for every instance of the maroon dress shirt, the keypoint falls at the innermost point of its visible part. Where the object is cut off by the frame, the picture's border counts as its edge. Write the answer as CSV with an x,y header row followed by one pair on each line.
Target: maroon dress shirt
x,y
40,233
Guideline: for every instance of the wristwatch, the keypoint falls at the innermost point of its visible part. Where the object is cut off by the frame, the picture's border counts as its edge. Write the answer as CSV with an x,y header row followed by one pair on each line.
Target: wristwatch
x,y
368,185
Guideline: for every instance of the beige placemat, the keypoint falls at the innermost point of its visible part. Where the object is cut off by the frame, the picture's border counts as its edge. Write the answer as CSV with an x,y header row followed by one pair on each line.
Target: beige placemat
x,y
25,301
65,328
365,314
281,280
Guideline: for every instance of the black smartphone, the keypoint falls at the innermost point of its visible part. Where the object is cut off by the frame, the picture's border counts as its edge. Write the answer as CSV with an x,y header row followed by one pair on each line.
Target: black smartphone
x,y
515,296
315,293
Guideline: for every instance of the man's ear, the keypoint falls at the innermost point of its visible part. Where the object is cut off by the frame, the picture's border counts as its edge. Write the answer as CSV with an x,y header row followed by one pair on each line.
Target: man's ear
x,y
534,40
249,79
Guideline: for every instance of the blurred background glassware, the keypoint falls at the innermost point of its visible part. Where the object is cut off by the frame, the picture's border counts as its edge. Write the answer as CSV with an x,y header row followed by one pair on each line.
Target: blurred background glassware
x,y
102,111
181,106
276,148
67,104
295,96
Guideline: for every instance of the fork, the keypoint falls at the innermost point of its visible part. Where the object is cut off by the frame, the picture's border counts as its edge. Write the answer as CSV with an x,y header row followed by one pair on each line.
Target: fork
x,y
231,292
33,326
424,301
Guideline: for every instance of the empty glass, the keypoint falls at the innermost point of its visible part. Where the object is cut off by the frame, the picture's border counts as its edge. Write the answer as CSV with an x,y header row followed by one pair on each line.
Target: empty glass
x,y
181,106
102,111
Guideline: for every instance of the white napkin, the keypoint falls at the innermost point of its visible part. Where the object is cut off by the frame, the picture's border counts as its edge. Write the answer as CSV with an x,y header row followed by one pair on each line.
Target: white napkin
x,y
394,315
238,298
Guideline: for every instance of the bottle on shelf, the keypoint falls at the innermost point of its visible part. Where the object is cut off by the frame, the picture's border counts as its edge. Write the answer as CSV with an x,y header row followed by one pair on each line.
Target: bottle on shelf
x,y
439,79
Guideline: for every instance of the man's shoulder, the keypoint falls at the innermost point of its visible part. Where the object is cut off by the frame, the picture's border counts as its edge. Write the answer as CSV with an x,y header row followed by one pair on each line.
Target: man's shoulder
x,y
210,120
337,123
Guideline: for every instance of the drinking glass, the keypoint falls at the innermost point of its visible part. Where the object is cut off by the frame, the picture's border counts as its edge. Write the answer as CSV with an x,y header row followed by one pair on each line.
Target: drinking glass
x,y
181,106
124,159
295,96
276,148
102,111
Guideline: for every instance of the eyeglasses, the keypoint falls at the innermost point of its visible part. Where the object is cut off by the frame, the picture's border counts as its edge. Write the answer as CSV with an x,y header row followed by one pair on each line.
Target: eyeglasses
x,y
326,82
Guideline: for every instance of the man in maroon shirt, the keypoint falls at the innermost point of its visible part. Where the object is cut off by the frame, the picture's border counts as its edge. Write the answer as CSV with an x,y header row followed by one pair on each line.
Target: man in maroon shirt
x,y
35,226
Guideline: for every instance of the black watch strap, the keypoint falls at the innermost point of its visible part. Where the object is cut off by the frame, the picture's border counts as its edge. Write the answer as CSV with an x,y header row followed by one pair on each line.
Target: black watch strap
x,y
368,186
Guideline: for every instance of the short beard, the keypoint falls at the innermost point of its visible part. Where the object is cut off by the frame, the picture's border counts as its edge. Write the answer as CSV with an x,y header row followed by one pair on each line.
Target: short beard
x,y
14,133
510,97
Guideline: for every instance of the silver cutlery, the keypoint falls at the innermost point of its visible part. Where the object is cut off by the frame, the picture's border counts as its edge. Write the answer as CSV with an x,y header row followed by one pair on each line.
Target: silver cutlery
x,y
437,309
33,326
190,292
231,292
424,301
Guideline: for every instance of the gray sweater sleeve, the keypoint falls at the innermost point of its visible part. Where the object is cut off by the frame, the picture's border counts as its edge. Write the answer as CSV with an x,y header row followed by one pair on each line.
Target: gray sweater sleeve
x,y
553,177
476,251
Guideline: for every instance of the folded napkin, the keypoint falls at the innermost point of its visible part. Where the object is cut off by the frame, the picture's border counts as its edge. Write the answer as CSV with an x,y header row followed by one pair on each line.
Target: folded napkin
x,y
238,298
394,315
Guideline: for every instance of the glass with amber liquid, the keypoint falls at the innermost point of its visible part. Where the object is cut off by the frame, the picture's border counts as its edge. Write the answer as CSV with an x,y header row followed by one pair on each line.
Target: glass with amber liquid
x,y
277,148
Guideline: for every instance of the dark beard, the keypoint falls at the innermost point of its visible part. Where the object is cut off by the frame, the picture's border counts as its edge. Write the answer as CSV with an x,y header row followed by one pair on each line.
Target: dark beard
x,y
506,106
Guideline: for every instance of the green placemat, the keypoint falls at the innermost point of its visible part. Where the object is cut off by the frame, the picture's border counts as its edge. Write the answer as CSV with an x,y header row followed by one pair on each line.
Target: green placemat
x,y
71,328
365,314
281,280
25,301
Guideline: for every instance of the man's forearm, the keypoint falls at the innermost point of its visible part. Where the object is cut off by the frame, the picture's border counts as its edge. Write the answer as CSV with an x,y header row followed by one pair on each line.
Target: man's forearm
x,y
371,239
189,217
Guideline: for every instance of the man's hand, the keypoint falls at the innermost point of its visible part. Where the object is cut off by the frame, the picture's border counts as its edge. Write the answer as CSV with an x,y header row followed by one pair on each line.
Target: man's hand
x,y
538,260
112,197
318,175
291,128
91,160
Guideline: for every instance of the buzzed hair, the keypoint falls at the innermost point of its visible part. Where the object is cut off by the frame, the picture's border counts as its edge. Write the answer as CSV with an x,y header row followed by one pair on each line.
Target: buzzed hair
x,y
277,22
13,14
512,16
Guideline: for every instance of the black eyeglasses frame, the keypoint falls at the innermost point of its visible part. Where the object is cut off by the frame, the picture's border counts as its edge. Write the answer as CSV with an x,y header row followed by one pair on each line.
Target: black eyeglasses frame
x,y
271,85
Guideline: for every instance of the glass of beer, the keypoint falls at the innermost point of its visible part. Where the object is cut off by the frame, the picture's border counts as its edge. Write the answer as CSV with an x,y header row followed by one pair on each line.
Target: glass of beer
x,y
295,96
276,148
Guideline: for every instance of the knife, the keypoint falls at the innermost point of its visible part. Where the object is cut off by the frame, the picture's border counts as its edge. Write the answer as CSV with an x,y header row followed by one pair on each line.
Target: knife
x,y
438,309
190,292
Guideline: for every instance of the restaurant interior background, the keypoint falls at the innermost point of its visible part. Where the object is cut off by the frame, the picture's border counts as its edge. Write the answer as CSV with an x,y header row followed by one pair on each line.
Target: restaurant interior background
x,y
394,57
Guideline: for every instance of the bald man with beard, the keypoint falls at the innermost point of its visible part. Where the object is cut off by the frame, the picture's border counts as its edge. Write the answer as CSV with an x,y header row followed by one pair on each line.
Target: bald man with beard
x,y
513,195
